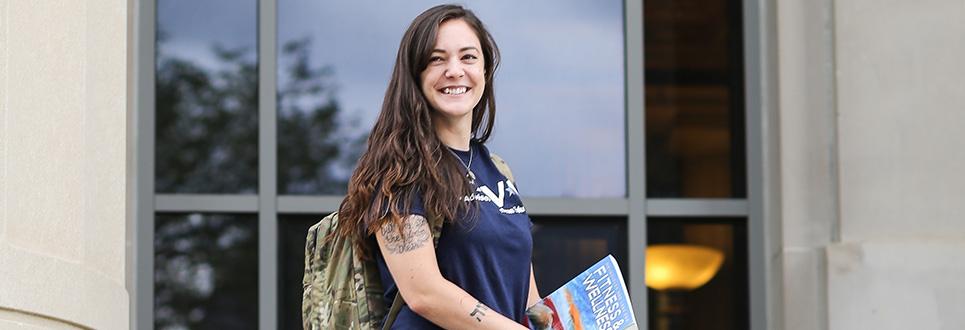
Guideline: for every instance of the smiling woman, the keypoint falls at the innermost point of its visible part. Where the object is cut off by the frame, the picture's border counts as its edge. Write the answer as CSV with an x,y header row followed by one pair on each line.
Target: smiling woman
x,y
561,101
427,170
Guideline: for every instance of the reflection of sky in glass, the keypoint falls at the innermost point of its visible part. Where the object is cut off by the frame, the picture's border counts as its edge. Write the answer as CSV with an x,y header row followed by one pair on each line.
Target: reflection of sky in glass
x,y
194,27
560,87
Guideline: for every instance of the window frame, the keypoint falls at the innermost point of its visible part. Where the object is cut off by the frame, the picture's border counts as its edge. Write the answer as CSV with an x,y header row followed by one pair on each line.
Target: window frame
x,y
761,164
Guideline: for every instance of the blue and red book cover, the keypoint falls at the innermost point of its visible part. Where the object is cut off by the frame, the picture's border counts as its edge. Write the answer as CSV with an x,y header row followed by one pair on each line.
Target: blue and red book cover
x,y
597,299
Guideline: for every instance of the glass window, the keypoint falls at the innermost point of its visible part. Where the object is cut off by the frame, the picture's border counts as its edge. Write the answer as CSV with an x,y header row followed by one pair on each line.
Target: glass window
x,y
207,97
291,248
564,247
694,98
205,271
560,90
722,302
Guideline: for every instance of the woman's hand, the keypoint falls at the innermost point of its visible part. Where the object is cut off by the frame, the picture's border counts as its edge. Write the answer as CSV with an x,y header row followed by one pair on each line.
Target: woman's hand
x,y
411,259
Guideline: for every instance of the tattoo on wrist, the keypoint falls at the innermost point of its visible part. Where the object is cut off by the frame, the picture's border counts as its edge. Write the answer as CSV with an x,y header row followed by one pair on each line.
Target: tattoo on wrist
x,y
413,235
479,311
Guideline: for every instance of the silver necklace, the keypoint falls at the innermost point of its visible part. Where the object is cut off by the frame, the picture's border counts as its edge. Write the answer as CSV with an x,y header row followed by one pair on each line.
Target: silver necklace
x,y
469,174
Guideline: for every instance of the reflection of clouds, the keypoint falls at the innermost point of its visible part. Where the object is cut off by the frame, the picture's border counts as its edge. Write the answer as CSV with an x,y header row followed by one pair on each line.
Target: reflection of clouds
x,y
362,51
192,30
594,53
231,22
201,53
580,148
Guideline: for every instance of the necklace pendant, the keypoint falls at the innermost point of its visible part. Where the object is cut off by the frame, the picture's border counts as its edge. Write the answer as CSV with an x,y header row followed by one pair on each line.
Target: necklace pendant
x,y
471,177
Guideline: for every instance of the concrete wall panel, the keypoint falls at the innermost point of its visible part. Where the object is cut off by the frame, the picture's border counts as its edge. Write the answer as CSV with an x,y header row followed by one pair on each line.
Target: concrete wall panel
x,y
105,135
45,127
901,104
3,118
914,284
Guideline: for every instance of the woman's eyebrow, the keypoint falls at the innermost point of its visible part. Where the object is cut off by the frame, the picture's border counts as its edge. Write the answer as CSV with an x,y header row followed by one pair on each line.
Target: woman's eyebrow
x,y
437,50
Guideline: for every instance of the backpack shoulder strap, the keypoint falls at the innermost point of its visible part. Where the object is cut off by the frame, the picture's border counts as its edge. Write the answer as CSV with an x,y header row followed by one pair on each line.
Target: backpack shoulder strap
x,y
397,304
502,166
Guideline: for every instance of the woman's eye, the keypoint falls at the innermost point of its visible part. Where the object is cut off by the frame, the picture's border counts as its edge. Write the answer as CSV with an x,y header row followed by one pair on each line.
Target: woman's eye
x,y
469,57
435,59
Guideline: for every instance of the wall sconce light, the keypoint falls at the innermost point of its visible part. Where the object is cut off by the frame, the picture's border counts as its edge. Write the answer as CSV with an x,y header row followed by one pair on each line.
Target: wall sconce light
x,y
681,266
674,269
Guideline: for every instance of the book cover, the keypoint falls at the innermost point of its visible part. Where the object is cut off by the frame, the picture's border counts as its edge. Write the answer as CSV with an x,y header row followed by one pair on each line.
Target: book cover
x,y
597,299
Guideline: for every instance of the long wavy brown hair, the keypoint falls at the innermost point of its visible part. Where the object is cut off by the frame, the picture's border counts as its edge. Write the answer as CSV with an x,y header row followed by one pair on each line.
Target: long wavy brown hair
x,y
404,157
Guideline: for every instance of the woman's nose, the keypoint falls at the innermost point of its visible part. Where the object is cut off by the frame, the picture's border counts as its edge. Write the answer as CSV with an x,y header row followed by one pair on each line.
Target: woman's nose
x,y
454,70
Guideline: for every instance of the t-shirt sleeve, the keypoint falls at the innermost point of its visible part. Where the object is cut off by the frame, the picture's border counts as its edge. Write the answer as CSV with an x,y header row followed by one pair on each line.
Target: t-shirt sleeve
x,y
415,208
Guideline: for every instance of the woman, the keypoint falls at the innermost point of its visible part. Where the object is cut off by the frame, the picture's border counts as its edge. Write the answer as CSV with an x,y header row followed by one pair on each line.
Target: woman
x,y
425,158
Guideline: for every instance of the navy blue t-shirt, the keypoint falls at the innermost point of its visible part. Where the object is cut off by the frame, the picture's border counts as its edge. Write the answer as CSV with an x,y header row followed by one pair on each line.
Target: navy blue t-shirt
x,y
489,256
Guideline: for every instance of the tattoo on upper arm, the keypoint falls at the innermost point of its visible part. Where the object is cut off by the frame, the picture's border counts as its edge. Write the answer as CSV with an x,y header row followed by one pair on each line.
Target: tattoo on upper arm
x,y
414,234
480,310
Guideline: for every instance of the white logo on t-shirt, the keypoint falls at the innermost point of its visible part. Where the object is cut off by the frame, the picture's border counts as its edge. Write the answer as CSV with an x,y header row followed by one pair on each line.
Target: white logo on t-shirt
x,y
485,194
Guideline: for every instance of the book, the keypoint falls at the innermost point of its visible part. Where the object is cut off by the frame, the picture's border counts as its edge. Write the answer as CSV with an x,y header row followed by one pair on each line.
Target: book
x,y
597,299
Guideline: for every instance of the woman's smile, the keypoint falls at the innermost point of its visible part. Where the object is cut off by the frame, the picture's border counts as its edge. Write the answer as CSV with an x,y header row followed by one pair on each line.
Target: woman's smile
x,y
455,90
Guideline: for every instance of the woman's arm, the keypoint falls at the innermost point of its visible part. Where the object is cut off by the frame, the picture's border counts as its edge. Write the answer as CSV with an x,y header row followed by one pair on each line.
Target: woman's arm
x,y
412,263
533,291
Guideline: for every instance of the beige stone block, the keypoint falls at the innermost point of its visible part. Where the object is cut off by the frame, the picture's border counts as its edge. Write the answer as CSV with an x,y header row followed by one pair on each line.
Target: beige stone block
x,y
805,289
45,127
105,137
3,119
911,284
807,122
901,97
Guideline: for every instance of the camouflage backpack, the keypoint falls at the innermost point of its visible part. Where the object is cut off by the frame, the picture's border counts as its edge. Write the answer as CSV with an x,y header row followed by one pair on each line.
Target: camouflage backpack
x,y
343,291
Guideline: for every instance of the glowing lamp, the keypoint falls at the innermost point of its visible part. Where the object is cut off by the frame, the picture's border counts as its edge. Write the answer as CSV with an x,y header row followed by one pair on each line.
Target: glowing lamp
x,y
681,266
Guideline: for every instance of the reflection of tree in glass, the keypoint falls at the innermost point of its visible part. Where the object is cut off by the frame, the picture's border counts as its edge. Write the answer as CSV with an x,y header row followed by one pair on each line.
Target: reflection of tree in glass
x,y
207,142
206,272
314,156
207,123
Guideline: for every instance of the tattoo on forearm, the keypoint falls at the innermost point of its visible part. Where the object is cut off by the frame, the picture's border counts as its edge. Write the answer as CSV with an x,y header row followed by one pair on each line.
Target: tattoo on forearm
x,y
480,310
414,234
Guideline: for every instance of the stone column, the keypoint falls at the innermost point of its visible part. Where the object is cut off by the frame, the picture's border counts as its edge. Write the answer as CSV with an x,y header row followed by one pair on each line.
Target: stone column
x,y
63,84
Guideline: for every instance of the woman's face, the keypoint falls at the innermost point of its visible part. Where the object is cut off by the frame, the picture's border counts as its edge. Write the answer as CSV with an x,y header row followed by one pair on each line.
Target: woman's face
x,y
455,79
